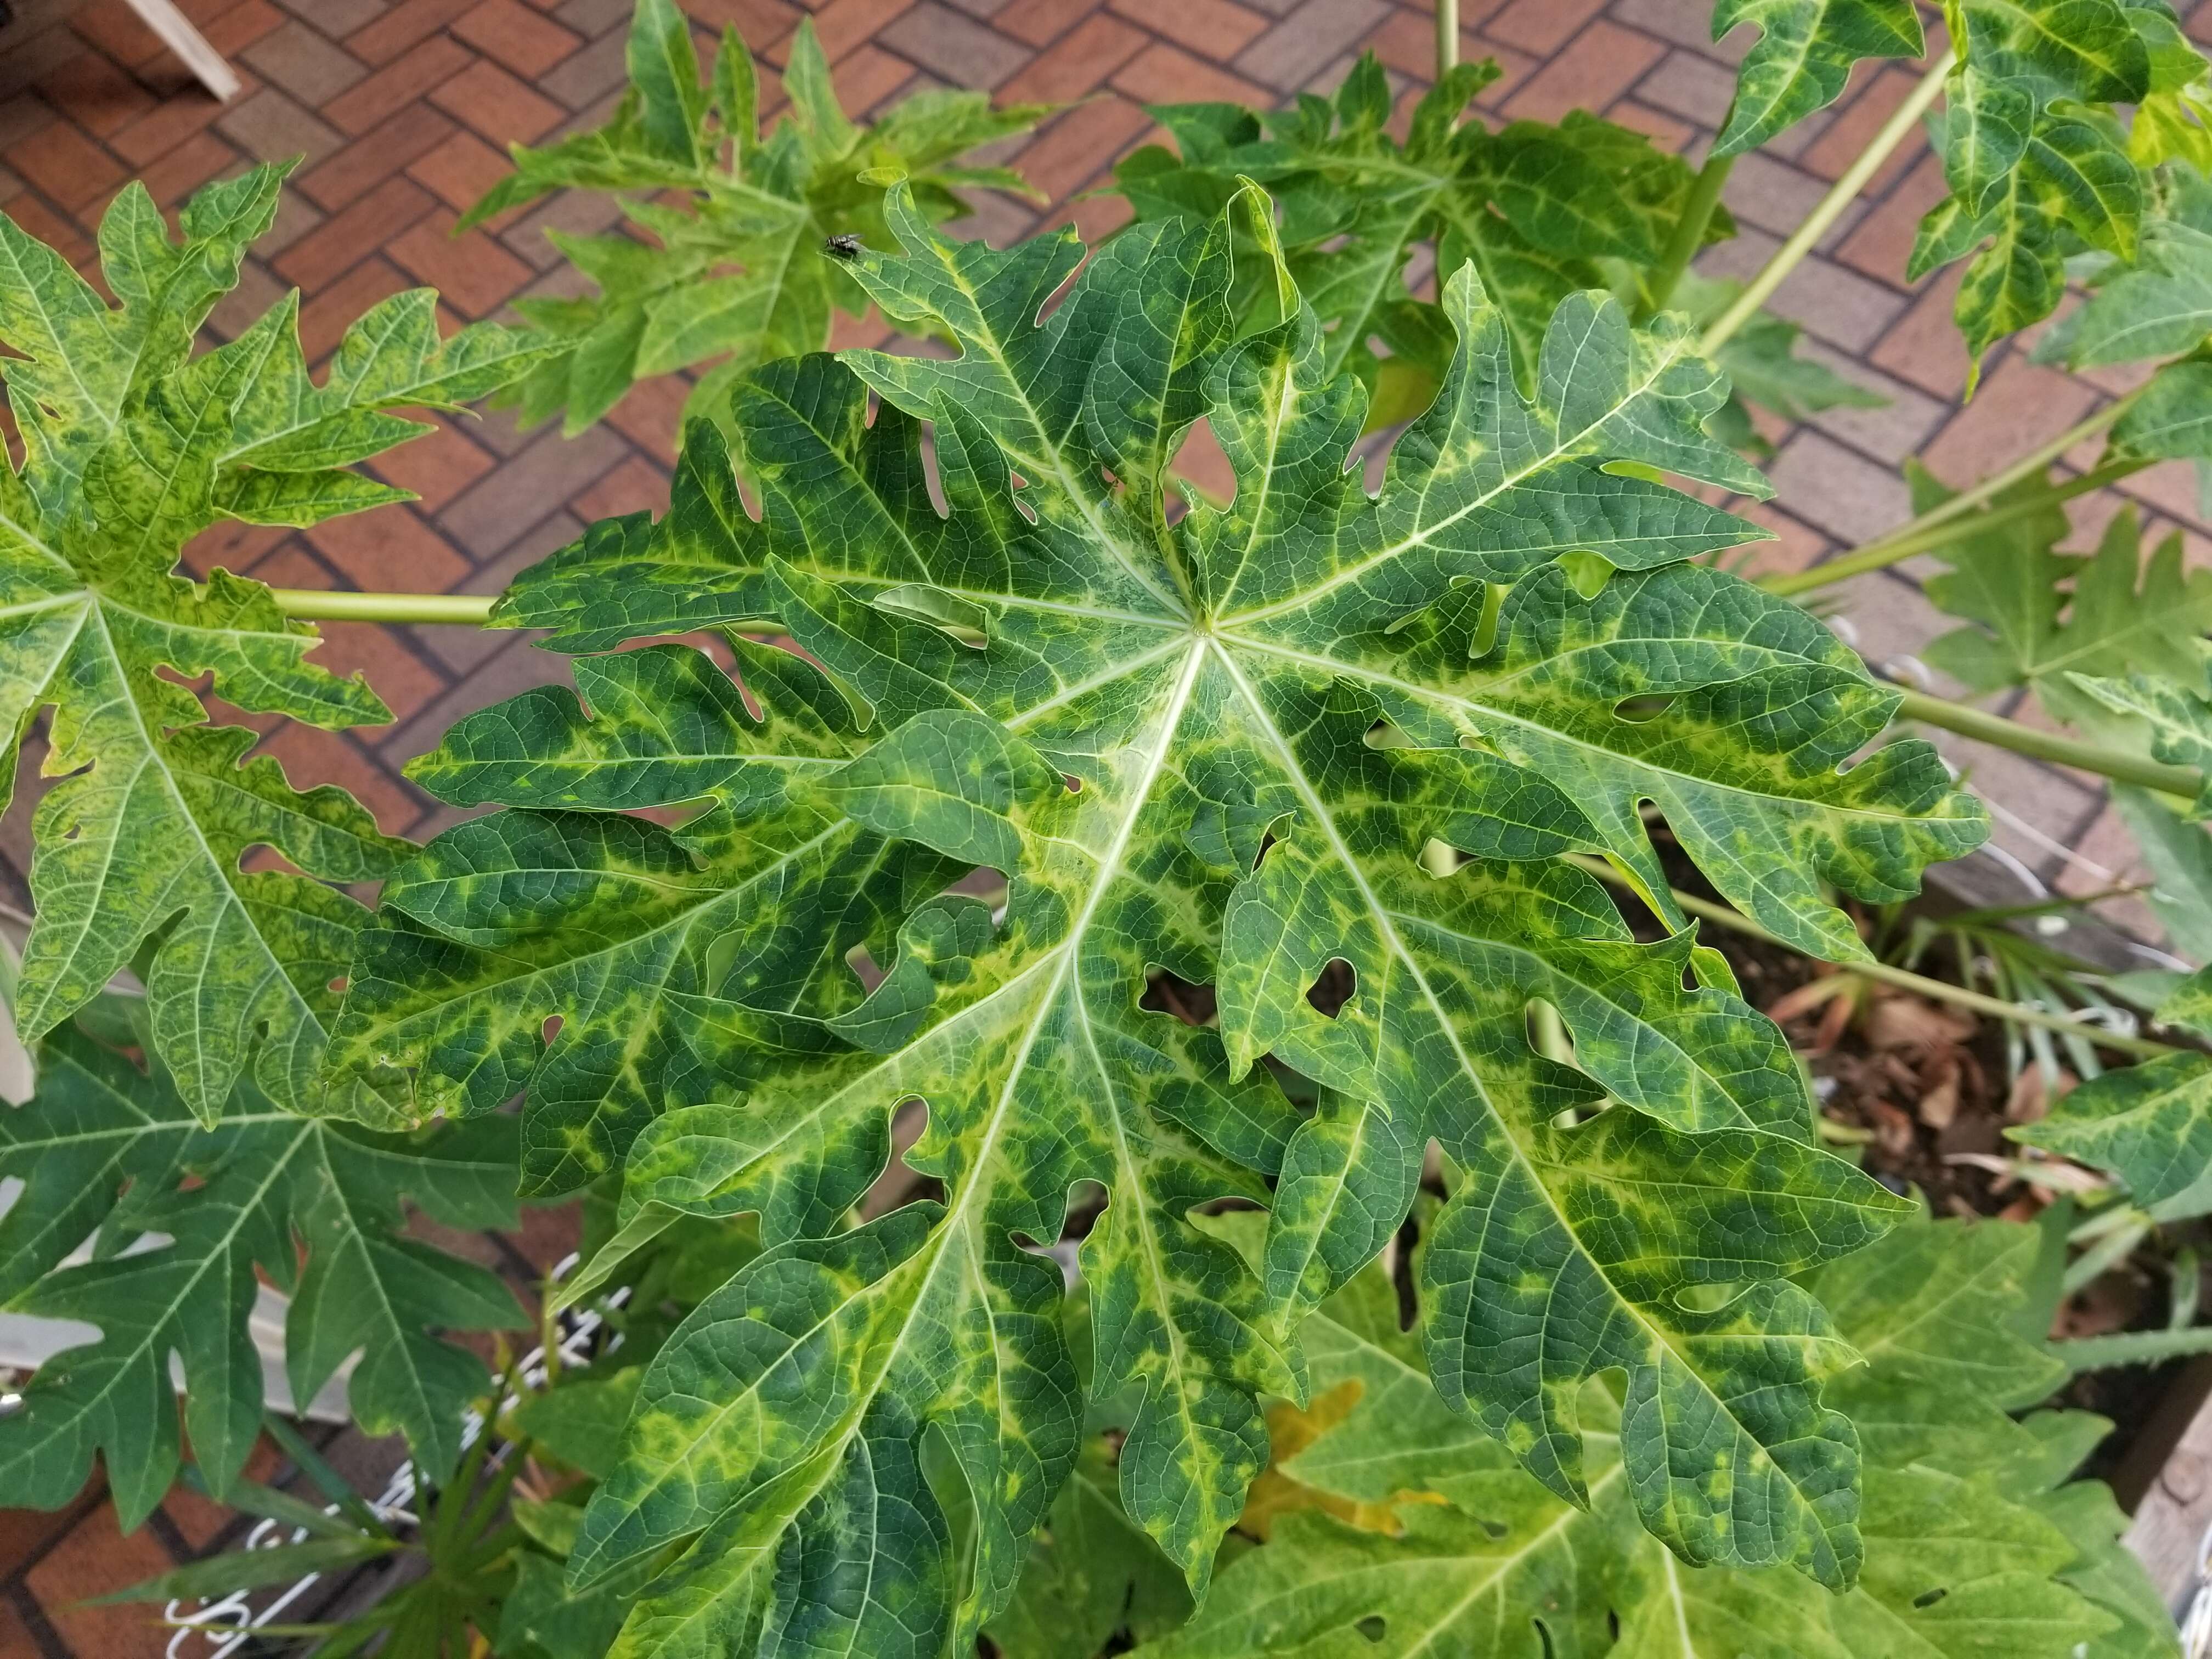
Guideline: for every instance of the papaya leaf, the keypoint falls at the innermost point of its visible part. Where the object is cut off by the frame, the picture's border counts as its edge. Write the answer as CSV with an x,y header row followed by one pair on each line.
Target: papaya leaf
x,y
1221,747
110,1154
1093,1573
683,965
741,274
131,446
2151,1125
2178,720
1533,207
2161,306
2039,167
1805,52
2053,621
2178,851
1478,1559
2069,187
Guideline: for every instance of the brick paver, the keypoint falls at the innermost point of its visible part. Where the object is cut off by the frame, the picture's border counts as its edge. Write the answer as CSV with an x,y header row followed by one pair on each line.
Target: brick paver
x,y
403,109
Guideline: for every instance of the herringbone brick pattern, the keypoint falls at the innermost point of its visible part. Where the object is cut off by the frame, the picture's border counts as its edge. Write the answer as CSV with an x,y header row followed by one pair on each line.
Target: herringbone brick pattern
x,y
401,110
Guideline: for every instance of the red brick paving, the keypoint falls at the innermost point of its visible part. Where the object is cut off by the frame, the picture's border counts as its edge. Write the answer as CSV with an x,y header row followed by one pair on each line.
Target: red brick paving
x,y
405,108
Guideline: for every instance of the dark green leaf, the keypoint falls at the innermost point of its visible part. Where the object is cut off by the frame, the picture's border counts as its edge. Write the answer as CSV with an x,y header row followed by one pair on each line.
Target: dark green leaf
x,y
316,1207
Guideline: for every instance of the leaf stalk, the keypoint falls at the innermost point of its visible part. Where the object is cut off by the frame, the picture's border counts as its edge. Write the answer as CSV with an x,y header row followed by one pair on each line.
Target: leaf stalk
x,y
311,604
1936,528
1841,195
1447,36
2183,781
1689,234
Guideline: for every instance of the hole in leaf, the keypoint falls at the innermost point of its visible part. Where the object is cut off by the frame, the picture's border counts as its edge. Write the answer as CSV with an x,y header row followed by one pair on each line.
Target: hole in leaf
x,y
861,960
960,620
550,1029
1337,986
1167,993
1401,1273
1929,1598
1200,472
338,986
1548,1032
1372,1627
947,1478
1647,705
899,1181
1705,1298
932,478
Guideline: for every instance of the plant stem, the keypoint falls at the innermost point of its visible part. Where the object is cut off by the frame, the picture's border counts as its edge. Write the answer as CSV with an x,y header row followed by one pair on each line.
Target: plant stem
x,y
1936,528
2183,781
1447,36
1841,195
1722,915
1689,232
311,604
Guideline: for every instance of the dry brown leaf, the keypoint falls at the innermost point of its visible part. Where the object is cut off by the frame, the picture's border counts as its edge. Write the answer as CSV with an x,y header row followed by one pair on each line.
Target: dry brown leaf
x,y
2053,1175
1902,1020
2033,1095
1939,1102
1812,993
1892,1129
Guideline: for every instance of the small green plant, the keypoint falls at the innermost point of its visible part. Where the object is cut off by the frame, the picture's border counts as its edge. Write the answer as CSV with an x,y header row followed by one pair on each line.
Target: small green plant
x,y
1012,738
1539,210
736,273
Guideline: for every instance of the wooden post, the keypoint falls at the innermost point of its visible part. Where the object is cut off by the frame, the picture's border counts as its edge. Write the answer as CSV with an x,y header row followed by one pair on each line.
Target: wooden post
x,y
178,35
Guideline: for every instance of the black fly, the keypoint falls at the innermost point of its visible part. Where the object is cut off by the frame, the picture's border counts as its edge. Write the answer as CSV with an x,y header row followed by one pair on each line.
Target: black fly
x,y
843,245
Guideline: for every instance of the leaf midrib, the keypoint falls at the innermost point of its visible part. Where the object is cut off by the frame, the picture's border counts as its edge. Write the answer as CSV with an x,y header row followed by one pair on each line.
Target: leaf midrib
x,y
1433,693
1562,449
1658,1337
957,1218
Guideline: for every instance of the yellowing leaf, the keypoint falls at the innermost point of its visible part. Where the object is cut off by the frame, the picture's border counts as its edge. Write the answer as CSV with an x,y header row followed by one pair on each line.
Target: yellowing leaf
x,y
133,446
1222,746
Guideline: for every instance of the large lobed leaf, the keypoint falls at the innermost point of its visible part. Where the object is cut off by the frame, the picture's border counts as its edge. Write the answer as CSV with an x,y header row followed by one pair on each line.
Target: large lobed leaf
x,y
2039,166
1803,58
131,446
1539,210
736,275
1534,207
183,1215
2150,1124
1225,747
1974,1546
2054,622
